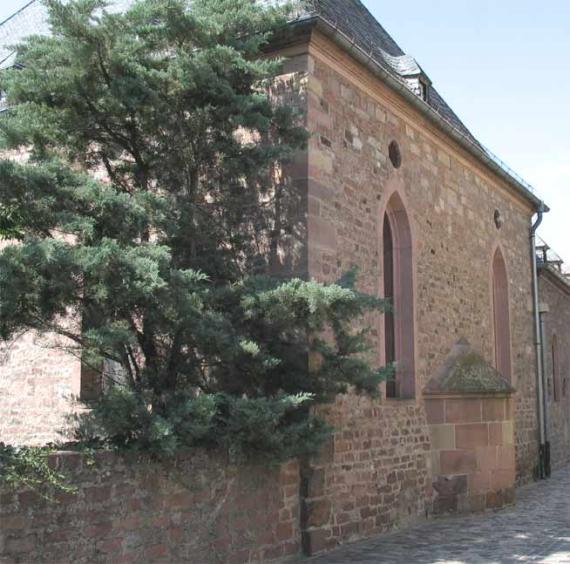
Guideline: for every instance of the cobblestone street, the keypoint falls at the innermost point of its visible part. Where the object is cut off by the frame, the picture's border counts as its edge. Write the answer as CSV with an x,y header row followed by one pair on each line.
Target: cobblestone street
x,y
536,530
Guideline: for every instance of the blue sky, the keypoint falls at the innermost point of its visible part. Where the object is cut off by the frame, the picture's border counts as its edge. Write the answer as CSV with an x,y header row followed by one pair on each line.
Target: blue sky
x,y
504,67
8,7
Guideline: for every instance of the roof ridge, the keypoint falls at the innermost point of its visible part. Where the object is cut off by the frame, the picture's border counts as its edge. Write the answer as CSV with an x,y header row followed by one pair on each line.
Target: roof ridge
x,y
18,12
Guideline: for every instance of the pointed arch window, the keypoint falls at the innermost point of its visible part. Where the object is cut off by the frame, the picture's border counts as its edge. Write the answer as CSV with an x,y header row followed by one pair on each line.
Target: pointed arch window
x,y
501,316
397,279
555,369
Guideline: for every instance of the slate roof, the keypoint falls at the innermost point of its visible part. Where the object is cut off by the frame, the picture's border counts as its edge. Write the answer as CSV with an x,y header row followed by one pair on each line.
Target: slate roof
x,y
350,17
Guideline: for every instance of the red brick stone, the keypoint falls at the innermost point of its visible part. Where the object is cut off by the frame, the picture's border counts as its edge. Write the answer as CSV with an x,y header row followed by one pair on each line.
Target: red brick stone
x,y
20,545
479,482
494,409
111,546
9,522
495,434
98,494
318,512
471,435
502,479
458,461
284,532
100,530
486,458
320,540
156,551
61,535
506,457
462,411
435,412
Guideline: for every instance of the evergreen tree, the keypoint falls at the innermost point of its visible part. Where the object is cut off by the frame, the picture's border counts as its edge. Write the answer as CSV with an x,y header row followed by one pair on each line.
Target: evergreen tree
x,y
150,212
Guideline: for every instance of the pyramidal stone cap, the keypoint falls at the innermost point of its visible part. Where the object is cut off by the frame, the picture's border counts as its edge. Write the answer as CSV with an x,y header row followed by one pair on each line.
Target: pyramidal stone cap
x,y
466,372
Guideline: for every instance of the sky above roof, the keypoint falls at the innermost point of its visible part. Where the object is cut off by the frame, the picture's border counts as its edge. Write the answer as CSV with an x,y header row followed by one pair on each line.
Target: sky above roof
x,y
504,69
8,7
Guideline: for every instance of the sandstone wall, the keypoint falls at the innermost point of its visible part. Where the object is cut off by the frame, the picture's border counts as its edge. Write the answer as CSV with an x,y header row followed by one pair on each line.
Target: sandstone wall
x,y
373,476
472,452
556,295
39,383
193,509
450,201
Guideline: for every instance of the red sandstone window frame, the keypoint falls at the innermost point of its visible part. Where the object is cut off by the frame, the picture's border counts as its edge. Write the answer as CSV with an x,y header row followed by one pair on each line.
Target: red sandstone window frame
x,y
501,315
555,368
399,324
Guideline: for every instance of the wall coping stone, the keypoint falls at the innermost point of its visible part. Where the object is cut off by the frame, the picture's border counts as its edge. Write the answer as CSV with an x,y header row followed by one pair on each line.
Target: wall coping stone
x,y
466,372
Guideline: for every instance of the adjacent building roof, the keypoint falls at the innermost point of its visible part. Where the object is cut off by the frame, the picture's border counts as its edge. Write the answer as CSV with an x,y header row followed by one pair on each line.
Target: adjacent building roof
x,y
347,18
552,265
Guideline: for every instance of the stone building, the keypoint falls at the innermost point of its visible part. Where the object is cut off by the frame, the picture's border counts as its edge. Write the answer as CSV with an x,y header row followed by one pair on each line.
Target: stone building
x,y
554,287
397,185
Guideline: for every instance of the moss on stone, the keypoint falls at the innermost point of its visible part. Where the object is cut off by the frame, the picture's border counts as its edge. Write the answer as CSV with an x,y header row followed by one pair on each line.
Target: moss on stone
x,y
466,371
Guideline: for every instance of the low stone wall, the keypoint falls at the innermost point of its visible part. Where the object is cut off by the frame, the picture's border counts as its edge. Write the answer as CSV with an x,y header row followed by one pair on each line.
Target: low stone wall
x,y
473,456
195,509
372,477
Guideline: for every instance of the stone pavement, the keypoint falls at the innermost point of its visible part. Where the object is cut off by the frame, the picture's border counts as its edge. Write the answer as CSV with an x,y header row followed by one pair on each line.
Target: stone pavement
x,y
536,530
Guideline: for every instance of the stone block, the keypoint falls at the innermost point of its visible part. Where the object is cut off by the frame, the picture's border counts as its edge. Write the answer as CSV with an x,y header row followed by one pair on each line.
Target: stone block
x,y
442,437
495,500
494,409
444,158
442,505
477,503
508,433
506,457
502,479
463,410
321,161
447,486
435,462
322,234
318,540
495,434
458,461
316,482
479,482
435,411
486,457
318,512
471,435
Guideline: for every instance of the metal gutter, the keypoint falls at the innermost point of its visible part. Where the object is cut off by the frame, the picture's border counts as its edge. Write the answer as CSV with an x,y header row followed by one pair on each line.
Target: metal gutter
x,y
543,445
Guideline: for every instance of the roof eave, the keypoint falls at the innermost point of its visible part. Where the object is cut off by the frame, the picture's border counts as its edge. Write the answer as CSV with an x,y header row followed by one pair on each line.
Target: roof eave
x,y
342,40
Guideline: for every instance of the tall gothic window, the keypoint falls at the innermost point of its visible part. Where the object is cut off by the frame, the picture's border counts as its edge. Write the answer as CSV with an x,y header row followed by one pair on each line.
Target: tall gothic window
x,y
501,316
389,326
555,369
91,382
398,289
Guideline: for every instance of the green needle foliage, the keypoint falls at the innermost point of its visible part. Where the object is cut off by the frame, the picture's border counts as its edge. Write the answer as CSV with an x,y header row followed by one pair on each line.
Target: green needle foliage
x,y
29,467
152,208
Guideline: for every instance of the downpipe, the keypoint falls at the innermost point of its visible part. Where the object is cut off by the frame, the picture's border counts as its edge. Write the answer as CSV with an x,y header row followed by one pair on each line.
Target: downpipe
x,y
544,446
